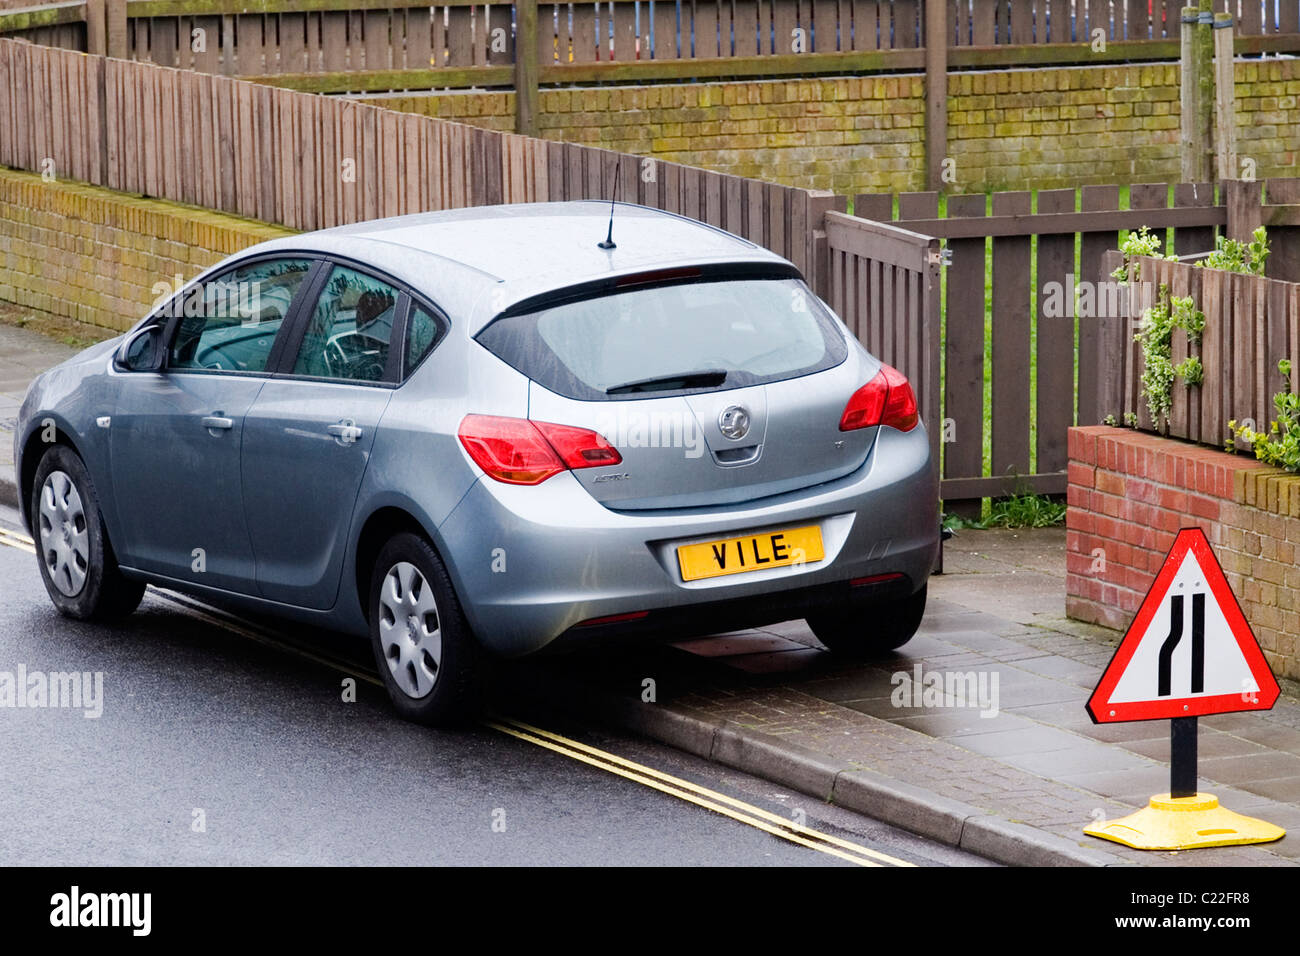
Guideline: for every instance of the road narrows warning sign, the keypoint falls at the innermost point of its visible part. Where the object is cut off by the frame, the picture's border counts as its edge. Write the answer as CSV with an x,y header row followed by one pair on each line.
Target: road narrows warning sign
x,y
1189,651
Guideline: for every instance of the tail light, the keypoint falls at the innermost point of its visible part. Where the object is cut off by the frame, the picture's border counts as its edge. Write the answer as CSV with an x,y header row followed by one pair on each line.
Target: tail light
x,y
579,447
885,400
518,451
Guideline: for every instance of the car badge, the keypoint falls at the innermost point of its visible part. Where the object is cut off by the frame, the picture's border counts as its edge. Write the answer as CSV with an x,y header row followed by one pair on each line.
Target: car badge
x,y
734,422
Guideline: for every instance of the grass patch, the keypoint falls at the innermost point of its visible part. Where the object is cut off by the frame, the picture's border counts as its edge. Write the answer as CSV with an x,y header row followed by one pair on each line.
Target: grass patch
x,y
1020,511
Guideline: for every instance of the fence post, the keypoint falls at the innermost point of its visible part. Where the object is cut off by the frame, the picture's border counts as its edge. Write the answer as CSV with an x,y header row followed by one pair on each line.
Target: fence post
x,y
1113,338
526,75
819,251
1244,207
96,39
1187,96
1196,92
1225,96
931,358
936,91
115,36
1205,77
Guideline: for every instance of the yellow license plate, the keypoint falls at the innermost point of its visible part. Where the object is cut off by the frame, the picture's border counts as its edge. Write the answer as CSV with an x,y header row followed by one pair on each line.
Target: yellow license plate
x,y
750,552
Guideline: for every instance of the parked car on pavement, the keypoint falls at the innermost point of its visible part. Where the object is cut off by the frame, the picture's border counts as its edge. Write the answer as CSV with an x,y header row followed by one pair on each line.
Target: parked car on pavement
x,y
485,432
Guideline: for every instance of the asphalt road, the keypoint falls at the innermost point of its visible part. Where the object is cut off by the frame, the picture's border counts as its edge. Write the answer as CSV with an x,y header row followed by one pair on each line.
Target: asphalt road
x,y
216,748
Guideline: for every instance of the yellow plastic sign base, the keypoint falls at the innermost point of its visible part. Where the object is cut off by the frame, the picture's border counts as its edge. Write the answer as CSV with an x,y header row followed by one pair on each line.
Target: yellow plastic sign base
x,y
1185,823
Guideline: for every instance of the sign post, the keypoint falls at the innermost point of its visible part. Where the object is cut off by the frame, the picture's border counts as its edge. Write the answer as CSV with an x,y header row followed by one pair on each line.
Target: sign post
x,y
1189,652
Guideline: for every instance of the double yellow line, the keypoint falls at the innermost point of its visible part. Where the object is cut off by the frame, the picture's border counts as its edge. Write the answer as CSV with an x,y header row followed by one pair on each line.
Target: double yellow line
x,y
738,810
16,539
684,790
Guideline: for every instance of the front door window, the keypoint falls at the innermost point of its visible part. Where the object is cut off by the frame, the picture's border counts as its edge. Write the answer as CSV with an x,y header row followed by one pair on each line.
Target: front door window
x,y
229,323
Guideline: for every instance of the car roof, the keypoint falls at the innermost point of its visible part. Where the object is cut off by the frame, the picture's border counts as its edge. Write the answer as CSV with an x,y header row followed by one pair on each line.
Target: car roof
x,y
515,251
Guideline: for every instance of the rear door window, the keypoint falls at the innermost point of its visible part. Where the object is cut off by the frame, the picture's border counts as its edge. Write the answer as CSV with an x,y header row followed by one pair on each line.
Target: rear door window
x,y
349,331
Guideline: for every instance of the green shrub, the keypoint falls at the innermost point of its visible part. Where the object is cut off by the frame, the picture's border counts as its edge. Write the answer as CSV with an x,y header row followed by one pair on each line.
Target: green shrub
x,y
1155,336
1140,243
1237,256
1280,445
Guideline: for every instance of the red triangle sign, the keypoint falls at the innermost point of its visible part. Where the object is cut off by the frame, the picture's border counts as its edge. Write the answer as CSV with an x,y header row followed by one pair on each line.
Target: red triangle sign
x,y
1189,651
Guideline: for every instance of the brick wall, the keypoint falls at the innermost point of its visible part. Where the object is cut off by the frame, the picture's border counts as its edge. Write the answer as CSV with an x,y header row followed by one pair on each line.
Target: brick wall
x,y
1009,129
96,256
1130,492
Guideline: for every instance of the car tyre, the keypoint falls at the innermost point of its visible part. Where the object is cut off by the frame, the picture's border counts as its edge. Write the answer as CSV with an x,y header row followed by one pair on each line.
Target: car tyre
x,y
863,632
424,649
74,553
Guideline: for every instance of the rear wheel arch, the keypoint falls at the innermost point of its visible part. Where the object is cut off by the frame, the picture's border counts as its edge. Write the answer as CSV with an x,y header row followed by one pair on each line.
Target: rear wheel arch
x,y
378,530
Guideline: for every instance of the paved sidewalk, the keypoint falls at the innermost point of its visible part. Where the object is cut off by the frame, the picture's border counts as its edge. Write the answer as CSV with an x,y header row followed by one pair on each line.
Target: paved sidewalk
x,y
24,354
1039,765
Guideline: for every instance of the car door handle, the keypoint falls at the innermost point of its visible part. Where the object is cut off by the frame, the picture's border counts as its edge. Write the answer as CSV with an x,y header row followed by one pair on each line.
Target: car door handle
x,y
344,432
212,422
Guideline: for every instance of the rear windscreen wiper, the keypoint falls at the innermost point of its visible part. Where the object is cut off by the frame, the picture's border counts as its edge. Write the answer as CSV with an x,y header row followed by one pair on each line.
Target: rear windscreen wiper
x,y
663,383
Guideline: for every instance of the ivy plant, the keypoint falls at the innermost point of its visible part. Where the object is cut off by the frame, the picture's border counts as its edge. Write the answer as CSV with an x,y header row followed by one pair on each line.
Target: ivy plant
x,y
1190,371
1237,256
1155,336
1143,242
1280,445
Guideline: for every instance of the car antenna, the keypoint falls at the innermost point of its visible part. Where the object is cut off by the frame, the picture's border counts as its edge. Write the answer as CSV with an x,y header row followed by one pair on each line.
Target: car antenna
x,y
609,237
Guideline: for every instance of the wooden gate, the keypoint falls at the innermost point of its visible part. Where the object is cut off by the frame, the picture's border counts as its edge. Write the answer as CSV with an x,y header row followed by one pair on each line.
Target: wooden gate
x,y
884,284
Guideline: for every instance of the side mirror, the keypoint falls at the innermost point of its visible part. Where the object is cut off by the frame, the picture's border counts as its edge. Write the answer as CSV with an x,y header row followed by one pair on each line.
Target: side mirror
x,y
142,351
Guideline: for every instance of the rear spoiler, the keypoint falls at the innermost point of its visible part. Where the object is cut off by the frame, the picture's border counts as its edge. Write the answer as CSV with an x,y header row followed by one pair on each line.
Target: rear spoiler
x,y
675,275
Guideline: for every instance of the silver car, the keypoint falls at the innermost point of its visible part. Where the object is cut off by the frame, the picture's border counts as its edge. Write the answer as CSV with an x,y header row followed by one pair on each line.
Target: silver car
x,y
489,432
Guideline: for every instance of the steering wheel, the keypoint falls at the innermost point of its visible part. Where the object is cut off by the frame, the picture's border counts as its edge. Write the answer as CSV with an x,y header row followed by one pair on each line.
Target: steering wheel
x,y
336,359
358,365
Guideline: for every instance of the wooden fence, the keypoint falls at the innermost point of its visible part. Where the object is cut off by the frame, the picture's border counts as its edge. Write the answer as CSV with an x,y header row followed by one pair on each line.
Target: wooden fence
x,y
640,39
339,46
292,38
310,162
54,24
1250,323
1019,366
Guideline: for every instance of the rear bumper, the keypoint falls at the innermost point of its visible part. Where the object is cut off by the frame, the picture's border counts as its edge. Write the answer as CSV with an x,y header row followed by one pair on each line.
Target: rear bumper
x,y
735,613
530,564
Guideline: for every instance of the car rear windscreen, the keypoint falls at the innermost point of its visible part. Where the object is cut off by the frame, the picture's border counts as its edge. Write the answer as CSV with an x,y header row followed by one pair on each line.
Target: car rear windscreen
x,y
653,341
